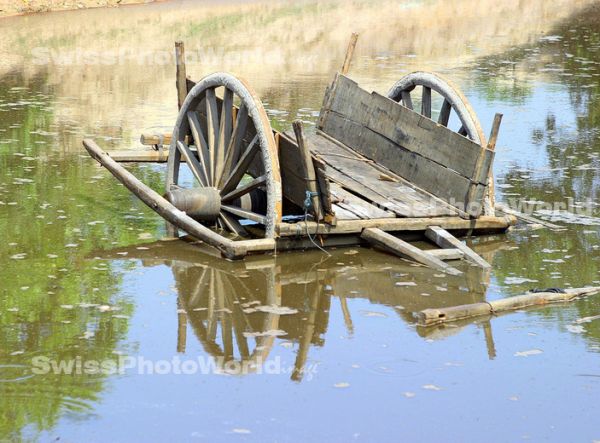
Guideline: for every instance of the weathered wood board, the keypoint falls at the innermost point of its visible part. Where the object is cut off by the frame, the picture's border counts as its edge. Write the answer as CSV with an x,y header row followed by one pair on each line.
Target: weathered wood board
x,y
375,184
426,154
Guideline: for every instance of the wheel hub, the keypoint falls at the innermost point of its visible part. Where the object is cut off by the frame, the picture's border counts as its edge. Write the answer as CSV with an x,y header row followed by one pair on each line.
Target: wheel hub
x,y
200,203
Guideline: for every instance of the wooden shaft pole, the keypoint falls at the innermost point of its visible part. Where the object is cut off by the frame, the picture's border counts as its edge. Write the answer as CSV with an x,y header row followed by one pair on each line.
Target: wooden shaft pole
x,y
161,206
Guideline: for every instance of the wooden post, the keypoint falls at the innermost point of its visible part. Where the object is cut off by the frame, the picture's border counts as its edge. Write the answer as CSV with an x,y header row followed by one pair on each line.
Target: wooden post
x,y
491,191
495,130
349,53
311,177
181,80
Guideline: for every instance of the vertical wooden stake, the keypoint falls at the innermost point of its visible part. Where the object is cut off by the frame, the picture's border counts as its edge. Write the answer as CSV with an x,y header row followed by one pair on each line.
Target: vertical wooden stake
x,y
491,191
181,82
495,129
349,53
309,169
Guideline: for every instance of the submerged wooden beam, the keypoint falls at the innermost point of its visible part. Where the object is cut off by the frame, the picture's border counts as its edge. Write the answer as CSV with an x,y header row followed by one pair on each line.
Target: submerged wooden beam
x,y
481,224
504,209
394,245
444,239
430,317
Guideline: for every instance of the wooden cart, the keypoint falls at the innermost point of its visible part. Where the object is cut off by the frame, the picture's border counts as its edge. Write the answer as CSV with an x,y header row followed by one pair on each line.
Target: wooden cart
x,y
376,170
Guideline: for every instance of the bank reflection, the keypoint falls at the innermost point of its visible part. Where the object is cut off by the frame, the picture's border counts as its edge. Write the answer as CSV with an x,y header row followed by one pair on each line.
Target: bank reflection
x,y
238,310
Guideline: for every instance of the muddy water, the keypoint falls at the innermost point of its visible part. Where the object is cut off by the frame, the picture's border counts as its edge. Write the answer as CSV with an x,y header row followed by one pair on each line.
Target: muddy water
x,y
319,347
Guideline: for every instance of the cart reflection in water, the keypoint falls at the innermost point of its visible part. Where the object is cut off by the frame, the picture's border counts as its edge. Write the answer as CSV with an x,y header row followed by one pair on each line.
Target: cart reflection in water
x,y
239,309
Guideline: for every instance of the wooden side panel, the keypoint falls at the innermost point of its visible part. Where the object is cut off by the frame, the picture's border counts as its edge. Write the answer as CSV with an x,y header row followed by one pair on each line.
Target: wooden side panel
x,y
426,154
293,171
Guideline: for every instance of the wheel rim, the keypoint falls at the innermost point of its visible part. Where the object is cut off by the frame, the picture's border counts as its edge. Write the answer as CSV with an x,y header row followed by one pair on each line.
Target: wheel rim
x,y
454,100
228,145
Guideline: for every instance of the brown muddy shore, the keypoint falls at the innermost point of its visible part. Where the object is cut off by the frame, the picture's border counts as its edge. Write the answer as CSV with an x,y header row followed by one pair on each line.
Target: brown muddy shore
x,y
20,7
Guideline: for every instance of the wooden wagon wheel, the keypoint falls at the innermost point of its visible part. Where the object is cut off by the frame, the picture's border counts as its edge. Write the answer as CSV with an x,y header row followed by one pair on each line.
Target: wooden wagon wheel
x,y
453,101
217,309
228,145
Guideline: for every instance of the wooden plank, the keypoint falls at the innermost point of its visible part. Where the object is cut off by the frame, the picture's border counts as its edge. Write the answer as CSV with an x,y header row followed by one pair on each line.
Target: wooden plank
x,y
481,224
505,209
155,139
394,245
437,180
444,239
447,254
146,155
356,205
342,213
363,177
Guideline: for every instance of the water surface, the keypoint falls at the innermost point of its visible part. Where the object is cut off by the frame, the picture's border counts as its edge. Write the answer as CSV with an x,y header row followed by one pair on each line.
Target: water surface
x,y
337,354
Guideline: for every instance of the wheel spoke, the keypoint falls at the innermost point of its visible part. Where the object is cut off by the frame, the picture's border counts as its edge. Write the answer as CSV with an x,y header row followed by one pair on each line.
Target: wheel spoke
x,y
224,319
240,169
173,173
240,339
232,224
211,326
193,163
426,102
462,131
212,125
201,145
445,113
235,144
242,213
197,295
407,100
245,189
226,123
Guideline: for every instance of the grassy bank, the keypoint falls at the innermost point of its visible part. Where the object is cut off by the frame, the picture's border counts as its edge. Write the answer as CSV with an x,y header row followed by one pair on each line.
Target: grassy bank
x,y
18,7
